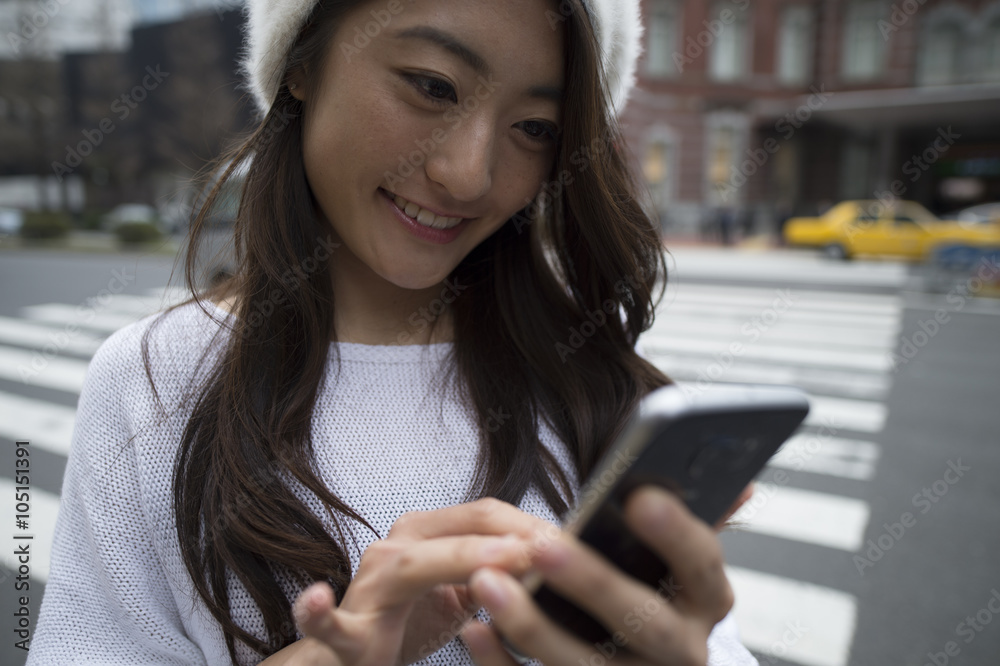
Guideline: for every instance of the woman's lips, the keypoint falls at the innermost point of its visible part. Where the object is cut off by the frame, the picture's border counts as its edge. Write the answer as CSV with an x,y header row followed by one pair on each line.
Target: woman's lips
x,y
422,231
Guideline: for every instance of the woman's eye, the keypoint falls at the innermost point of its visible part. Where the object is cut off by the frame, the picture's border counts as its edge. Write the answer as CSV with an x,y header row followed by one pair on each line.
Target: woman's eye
x,y
436,90
540,131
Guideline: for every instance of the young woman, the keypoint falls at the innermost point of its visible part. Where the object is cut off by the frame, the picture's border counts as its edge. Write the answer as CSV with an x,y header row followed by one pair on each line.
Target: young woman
x,y
427,344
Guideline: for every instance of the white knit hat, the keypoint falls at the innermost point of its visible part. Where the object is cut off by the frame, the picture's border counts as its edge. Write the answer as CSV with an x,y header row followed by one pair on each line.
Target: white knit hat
x,y
273,25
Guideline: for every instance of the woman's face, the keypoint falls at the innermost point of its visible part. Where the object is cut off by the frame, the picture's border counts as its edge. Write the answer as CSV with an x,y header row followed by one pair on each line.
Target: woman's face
x,y
452,105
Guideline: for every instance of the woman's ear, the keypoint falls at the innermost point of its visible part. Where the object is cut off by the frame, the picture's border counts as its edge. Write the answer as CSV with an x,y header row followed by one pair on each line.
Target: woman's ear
x,y
296,84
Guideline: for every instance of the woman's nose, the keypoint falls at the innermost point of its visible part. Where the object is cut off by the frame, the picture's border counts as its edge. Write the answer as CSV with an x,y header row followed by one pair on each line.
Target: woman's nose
x,y
463,162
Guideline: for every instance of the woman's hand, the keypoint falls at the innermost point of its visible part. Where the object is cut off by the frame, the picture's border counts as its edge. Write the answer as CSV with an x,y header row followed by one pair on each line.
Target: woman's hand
x,y
409,597
648,626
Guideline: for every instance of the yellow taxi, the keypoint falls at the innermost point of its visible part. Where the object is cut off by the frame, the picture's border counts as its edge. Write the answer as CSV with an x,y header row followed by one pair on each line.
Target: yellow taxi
x,y
902,229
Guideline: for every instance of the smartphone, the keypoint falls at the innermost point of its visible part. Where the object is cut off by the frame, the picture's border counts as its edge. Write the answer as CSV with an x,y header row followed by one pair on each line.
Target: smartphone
x,y
705,445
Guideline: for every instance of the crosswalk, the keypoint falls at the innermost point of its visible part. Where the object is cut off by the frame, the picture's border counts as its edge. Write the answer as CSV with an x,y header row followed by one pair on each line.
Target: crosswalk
x,y
835,345
838,347
49,349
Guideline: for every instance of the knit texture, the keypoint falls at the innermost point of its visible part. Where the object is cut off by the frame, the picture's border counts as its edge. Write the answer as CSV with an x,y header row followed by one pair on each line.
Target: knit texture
x,y
389,435
273,25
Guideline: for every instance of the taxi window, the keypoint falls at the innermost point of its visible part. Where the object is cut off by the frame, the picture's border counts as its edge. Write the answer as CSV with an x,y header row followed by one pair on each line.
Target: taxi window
x,y
904,221
916,212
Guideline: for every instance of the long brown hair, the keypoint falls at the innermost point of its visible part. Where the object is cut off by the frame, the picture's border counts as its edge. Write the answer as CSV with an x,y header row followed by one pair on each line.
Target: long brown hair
x,y
546,326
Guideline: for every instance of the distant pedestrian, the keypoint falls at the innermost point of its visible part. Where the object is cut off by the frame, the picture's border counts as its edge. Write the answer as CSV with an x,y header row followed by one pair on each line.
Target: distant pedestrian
x,y
726,224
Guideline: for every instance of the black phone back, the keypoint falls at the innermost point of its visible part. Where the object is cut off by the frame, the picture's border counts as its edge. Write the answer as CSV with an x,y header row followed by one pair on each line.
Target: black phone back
x,y
704,458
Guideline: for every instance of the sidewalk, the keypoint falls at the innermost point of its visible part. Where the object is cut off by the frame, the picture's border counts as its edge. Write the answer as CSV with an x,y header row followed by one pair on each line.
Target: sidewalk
x,y
756,242
90,241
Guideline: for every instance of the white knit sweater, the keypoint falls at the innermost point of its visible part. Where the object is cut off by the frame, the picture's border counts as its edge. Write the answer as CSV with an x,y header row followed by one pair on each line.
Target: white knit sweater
x,y
388,440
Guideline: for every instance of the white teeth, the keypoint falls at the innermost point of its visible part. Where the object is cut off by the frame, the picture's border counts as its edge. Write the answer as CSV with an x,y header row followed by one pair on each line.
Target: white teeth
x,y
425,217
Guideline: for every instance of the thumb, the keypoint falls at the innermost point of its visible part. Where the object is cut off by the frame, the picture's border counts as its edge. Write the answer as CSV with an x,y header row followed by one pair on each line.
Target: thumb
x,y
317,617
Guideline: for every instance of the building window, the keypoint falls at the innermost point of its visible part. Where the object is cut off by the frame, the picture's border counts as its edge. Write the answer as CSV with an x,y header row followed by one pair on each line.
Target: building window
x,y
657,167
863,48
726,136
940,53
795,45
663,38
730,54
722,155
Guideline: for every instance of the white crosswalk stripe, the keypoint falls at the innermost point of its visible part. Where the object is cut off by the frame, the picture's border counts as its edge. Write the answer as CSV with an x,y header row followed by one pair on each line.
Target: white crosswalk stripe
x,y
805,298
845,413
870,361
46,425
712,264
105,315
831,336
47,338
819,381
847,458
805,516
102,320
751,314
36,369
792,620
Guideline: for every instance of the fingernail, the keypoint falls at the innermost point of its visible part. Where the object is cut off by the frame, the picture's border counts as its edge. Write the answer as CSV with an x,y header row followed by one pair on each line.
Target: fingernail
x,y
490,589
307,604
553,555
301,613
652,509
499,548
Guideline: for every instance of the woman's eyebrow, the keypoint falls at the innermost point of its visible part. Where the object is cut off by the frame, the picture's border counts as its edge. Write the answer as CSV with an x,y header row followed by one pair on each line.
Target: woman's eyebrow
x,y
449,43
551,93
470,57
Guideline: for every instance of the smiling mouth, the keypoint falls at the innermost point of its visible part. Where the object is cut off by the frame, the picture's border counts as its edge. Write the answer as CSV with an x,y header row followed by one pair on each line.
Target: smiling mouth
x,y
422,216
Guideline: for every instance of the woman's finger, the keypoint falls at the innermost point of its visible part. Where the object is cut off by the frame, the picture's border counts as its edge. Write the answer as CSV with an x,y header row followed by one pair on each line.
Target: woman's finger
x,y
484,516
636,615
395,572
316,616
517,618
687,545
485,646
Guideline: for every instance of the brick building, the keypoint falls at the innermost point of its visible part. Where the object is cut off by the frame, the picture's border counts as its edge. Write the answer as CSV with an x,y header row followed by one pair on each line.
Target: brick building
x,y
751,110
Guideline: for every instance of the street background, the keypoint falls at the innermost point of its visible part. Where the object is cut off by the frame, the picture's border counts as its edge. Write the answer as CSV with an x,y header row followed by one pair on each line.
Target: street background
x,y
872,536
